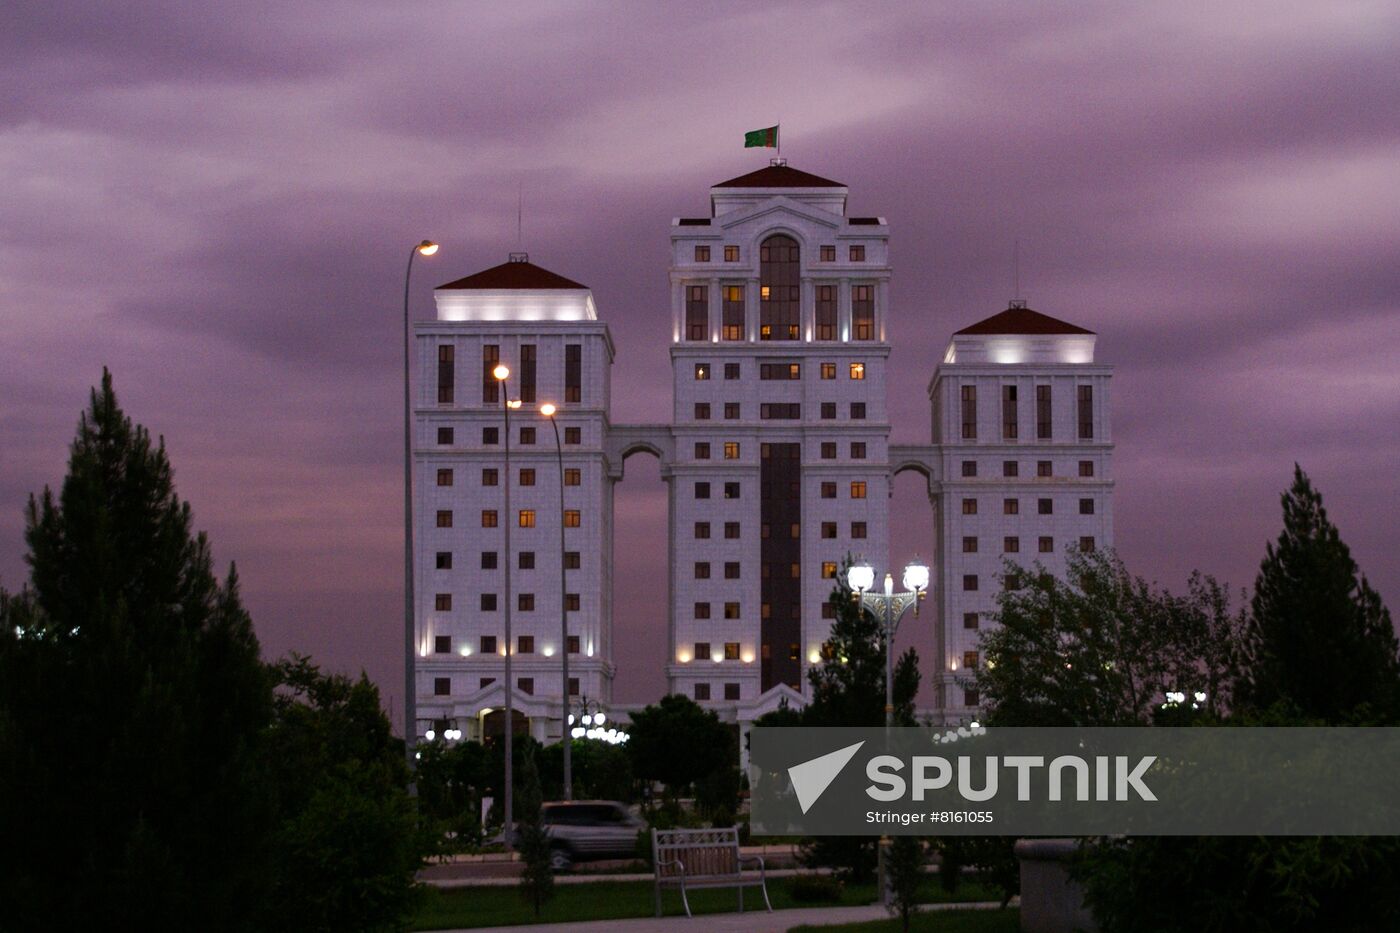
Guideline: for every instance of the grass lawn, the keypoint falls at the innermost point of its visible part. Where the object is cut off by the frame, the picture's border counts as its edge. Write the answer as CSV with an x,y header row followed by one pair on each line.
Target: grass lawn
x,y
942,921
612,900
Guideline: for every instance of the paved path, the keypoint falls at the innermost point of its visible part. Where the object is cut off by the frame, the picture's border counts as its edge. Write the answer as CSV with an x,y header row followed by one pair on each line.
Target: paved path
x,y
750,921
513,878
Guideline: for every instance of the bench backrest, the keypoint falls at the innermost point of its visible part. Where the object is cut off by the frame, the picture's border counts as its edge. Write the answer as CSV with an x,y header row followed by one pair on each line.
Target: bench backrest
x,y
702,851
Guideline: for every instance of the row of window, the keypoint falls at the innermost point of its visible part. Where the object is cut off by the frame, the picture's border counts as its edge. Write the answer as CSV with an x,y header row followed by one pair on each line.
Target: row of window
x,y
732,490
490,476
826,253
702,691
971,582
490,518
780,371
778,411
491,434
1043,468
779,312
525,602
442,686
490,560
732,450
525,376
524,644
1010,412
1013,506
1011,544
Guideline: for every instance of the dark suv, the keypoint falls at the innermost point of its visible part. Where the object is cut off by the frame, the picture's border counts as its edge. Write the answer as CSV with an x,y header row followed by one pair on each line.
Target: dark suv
x,y
580,830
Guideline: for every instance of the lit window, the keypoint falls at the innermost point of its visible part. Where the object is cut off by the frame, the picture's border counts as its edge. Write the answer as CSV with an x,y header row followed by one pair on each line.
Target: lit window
x,y
572,477
857,370
731,450
731,648
702,371
828,370
862,312
444,518
488,518
572,518
829,570
731,254
970,660
858,489
527,518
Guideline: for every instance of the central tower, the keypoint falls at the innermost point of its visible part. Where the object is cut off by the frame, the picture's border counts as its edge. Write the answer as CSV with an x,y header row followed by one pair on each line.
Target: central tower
x,y
781,469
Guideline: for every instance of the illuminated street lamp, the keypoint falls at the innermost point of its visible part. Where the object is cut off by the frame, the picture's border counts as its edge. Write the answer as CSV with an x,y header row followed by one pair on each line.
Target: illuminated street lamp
x,y
890,607
410,729
502,374
549,410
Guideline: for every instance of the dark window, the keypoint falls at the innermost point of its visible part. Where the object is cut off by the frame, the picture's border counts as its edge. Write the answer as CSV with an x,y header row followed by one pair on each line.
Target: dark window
x,y
828,370
444,560
780,371
573,686
1011,544
1086,468
731,648
731,411
702,691
1086,543
828,450
488,644
1045,506
527,436
571,560
969,412
488,518
731,530
779,289
828,490
702,490
969,506
702,253
488,560
1010,468
573,644
1009,424
857,411
490,387
571,602
970,582
731,370
828,410
526,685
528,372
573,435
444,518
971,697
828,610
732,316
826,311
697,312
702,411
447,375
970,660
442,602
1086,413
1011,506
1047,544
857,450
731,691
442,686
573,372
731,490
828,253
702,570
857,253
702,450
527,560
490,476
490,435
527,476
702,610
969,545
828,529
858,530
702,530
1042,412
780,411
862,312
1044,469
731,570
444,435
731,254
970,620
1086,506
488,602
525,644
969,468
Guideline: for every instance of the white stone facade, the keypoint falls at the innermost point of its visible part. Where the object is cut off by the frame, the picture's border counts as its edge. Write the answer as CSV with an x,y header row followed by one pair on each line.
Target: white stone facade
x,y
777,460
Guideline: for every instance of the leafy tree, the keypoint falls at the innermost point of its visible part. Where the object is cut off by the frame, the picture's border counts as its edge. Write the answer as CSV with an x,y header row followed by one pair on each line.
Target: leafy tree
x,y
678,743
848,689
451,779
532,841
1319,638
131,706
904,864
1101,647
602,771
348,839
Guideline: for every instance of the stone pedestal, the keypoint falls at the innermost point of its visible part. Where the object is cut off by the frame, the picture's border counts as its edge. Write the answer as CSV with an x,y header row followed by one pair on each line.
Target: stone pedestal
x,y
1050,901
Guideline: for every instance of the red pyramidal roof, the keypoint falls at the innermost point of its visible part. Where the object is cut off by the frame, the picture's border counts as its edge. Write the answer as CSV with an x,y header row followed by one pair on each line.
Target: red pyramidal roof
x,y
518,273
1018,319
779,176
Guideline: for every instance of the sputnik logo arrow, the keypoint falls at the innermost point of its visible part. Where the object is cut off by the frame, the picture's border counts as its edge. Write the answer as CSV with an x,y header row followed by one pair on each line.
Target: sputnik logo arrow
x,y
811,778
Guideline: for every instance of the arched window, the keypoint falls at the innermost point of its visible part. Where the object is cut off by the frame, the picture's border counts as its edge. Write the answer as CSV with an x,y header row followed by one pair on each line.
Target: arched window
x,y
779,279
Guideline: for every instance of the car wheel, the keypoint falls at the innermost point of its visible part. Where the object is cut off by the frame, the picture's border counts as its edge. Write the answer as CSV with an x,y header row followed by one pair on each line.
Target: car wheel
x,y
560,860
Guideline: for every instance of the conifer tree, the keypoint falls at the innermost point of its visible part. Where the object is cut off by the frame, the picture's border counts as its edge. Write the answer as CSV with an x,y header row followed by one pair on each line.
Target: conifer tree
x,y
131,700
1319,639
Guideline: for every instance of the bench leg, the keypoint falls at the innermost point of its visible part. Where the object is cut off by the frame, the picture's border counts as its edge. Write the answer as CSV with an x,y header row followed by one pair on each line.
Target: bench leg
x,y
685,900
766,902
657,886
741,898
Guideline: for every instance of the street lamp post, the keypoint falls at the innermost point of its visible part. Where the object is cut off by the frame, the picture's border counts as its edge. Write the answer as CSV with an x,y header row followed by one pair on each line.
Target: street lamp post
x,y
890,607
410,688
549,410
502,374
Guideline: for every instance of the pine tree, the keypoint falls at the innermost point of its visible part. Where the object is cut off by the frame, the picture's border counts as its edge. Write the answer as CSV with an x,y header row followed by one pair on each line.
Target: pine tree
x,y
131,700
1319,640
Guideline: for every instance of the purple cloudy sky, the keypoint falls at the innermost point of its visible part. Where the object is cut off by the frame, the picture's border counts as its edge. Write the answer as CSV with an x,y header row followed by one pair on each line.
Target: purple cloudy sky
x,y
217,199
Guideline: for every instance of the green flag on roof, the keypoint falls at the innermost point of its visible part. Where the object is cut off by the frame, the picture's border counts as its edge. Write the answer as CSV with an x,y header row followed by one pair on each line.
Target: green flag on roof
x,y
766,138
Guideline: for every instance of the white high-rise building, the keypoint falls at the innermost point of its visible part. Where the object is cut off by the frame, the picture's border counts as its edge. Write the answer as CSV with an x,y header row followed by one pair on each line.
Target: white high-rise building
x,y
777,459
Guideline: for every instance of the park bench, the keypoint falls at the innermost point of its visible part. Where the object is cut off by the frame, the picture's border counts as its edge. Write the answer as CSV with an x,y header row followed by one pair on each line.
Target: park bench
x,y
703,858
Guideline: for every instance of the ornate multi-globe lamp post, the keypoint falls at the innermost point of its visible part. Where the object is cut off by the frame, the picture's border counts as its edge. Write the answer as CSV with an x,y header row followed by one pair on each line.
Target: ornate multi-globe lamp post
x,y
549,410
889,607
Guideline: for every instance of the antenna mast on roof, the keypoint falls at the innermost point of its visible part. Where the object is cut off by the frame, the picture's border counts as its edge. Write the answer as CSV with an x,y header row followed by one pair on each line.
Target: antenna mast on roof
x,y
1016,300
519,212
